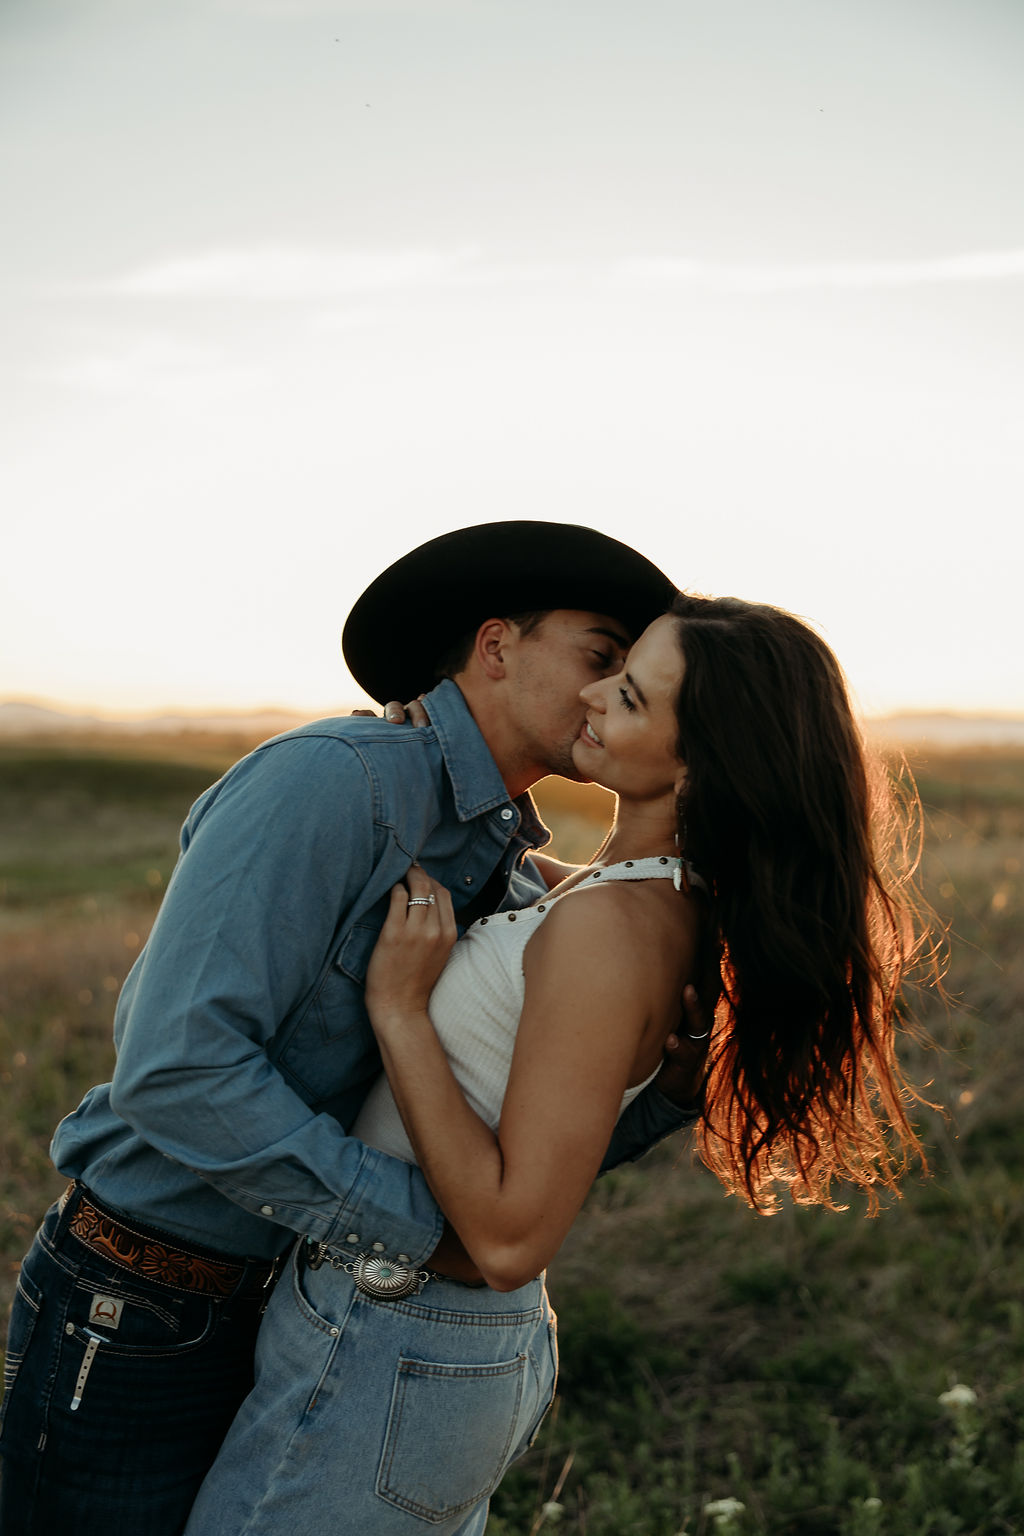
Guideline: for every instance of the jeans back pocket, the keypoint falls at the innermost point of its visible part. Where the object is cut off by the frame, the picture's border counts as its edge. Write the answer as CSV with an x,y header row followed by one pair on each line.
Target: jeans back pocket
x,y
451,1432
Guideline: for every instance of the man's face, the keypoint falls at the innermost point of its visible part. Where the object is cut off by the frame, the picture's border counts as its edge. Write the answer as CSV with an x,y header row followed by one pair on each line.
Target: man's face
x,y
545,671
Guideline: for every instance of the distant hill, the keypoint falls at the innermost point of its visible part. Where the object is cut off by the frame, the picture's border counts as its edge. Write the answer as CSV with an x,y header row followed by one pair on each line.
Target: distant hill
x,y
946,729
20,717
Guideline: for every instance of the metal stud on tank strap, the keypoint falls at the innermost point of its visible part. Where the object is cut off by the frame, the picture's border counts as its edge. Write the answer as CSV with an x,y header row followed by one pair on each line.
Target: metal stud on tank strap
x,y
373,1273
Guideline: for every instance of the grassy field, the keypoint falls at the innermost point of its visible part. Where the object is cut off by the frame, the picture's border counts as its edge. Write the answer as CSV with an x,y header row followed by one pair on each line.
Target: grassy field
x,y
721,1372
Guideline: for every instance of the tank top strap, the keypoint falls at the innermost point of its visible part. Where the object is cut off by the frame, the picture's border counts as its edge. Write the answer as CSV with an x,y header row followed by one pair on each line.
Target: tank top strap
x,y
657,868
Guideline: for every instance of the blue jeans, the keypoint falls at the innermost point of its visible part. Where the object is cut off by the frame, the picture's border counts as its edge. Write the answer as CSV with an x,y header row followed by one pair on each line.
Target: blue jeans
x,y
381,1418
156,1400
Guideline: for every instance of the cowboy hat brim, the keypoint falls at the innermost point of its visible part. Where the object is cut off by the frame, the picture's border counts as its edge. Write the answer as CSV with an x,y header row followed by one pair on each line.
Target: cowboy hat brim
x,y
412,615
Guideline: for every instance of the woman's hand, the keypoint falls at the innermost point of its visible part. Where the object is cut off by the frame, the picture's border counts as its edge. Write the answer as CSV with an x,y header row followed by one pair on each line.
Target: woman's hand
x,y
398,713
409,956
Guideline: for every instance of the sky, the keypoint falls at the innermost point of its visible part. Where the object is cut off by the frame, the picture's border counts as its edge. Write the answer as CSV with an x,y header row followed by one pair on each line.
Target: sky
x,y
291,286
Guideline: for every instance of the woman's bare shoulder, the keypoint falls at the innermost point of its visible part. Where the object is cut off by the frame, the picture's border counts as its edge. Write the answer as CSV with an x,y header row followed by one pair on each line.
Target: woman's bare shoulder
x,y
622,923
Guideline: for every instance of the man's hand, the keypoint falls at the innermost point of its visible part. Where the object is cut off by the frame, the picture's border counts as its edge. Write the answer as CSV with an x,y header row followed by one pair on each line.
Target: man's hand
x,y
398,714
682,1073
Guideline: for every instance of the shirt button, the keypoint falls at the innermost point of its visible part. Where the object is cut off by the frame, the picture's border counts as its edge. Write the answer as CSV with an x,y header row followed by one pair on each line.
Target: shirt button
x,y
378,1247
353,1237
467,879
403,1258
266,1210
506,814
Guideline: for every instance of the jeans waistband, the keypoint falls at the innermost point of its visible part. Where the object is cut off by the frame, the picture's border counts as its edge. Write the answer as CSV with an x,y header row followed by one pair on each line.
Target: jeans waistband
x,y
161,1256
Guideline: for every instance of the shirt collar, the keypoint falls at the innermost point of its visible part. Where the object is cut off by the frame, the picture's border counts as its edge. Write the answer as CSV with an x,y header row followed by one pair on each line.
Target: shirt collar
x,y
477,785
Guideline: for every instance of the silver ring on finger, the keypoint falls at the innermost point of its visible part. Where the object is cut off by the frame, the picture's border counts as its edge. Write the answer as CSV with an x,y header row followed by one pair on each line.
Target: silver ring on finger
x,y
422,901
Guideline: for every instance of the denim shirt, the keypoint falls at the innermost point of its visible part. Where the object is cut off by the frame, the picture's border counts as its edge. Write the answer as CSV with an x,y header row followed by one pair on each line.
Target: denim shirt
x,y
243,1046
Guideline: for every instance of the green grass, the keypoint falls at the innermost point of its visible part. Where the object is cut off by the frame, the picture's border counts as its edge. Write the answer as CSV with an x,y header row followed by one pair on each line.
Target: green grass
x,y
792,1363
94,827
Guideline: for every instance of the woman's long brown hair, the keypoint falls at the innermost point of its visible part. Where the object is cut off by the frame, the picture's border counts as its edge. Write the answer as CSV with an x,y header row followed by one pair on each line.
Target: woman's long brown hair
x,y
810,863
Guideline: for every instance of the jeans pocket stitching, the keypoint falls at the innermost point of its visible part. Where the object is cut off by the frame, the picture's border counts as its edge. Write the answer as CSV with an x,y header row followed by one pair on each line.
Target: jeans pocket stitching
x,y
139,1353
306,1307
134,1297
549,1398
409,1370
32,1296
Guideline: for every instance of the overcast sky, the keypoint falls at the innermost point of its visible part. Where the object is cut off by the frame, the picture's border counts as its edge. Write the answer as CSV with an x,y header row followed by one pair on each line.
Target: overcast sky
x,y
289,287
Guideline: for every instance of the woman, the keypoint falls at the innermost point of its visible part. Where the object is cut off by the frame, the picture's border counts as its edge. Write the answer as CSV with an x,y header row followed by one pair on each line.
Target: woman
x,y
385,1399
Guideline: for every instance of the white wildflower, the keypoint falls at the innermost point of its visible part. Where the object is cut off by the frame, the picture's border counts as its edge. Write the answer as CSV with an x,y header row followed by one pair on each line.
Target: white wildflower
x,y
958,1397
725,1512
552,1510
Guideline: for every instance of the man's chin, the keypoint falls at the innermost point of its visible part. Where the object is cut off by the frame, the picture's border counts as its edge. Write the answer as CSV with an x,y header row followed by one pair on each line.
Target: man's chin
x,y
570,769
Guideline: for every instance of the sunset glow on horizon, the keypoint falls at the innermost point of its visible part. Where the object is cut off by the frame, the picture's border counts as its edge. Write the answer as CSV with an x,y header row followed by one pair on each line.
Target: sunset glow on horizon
x,y
293,287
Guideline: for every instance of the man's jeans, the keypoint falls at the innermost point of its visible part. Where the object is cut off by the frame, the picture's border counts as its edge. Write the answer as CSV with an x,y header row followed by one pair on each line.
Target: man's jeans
x,y
155,1397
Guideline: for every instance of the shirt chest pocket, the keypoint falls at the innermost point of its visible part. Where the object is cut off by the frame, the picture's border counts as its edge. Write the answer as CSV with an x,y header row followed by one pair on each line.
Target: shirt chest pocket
x,y
331,1050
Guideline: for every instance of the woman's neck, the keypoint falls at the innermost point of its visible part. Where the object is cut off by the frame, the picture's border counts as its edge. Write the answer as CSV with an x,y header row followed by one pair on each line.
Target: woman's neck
x,y
643,831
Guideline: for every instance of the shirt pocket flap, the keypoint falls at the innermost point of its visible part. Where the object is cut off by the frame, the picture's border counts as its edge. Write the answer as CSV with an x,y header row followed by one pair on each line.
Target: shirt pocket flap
x,y
353,957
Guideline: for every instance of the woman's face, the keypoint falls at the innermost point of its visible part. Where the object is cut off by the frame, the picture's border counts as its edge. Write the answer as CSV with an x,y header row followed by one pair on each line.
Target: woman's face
x,y
628,741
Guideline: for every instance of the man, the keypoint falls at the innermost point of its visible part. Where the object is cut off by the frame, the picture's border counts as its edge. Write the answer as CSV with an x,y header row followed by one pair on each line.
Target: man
x,y
243,1046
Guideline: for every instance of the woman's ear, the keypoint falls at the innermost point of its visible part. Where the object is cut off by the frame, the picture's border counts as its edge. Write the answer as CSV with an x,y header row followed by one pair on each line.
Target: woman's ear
x,y
681,781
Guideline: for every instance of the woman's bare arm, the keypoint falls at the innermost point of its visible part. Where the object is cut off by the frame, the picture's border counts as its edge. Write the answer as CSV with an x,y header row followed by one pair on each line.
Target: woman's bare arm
x,y
589,1008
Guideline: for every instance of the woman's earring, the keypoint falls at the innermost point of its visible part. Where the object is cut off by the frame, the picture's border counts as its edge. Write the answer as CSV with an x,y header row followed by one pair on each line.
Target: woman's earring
x,y
679,876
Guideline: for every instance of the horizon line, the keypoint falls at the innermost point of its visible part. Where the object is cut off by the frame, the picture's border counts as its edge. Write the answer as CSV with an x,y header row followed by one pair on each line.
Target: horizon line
x,y
115,715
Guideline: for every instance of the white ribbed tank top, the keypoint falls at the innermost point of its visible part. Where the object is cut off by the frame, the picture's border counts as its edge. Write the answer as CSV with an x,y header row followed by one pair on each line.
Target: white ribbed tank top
x,y
475,1008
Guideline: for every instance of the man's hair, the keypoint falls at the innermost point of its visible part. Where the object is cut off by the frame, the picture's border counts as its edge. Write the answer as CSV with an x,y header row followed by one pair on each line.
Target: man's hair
x,y
456,657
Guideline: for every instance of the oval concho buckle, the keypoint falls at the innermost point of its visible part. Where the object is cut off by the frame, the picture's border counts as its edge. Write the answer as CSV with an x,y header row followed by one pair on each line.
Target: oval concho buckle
x,y
385,1278
374,1275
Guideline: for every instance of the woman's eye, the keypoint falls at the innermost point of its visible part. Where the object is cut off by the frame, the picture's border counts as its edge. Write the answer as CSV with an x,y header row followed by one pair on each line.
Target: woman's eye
x,y
627,702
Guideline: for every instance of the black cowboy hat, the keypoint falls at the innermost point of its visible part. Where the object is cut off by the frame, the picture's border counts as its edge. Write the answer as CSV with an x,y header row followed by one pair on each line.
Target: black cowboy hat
x,y
416,610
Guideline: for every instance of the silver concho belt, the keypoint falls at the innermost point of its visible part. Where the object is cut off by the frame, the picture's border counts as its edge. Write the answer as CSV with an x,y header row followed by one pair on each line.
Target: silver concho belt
x,y
373,1273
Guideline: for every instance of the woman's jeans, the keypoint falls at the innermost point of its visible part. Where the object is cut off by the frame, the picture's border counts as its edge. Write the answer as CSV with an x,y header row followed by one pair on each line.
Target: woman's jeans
x,y
157,1396
381,1418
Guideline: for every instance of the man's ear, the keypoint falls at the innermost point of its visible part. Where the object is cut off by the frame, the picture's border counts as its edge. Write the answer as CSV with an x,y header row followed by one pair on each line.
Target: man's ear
x,y
491,645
